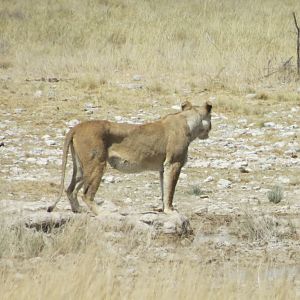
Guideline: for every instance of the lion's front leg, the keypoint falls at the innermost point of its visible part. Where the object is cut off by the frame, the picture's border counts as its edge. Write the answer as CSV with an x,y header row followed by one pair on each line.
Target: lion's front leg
x,y
170,178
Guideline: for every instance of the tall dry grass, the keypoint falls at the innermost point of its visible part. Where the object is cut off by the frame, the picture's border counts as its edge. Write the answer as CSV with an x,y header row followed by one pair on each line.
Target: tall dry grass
x,y
219,42
83,261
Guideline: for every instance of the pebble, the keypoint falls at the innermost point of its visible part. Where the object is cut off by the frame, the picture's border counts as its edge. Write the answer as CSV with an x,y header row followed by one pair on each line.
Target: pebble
x,y
283,179
38,94
137,77
50,142
72,123
108,179
224,183
269,124
250,96
208,179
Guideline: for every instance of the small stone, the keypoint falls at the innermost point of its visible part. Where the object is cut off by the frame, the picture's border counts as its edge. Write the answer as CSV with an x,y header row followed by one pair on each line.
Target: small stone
x,y
283,179
19,110
177,107
208,179
109,179
88,106
149,218
169,227
242,121
250,96
240,164
50,142
31,160
269,124
127,200
72,123
224,183
183,176
38,94
137,77
119,119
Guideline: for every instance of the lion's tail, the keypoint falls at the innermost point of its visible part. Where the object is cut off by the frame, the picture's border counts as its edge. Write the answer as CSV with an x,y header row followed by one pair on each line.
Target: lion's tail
x,y
68,141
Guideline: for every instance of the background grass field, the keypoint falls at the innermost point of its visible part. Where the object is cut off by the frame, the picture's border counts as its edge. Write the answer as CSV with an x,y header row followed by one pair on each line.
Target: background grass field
x,y
231,43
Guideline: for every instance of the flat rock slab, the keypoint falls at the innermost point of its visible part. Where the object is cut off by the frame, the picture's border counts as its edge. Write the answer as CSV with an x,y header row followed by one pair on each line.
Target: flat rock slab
x,y
34,215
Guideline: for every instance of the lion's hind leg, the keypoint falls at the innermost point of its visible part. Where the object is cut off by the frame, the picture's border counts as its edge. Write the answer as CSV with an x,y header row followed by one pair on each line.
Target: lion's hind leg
x,y
76,182
91,185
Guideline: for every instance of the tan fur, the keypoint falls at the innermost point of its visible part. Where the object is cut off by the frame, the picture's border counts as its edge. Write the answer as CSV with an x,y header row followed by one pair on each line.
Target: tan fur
x,y
158,146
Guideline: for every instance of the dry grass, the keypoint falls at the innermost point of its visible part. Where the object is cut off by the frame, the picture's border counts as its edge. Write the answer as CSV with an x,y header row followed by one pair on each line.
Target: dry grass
x,y
223,43
85,262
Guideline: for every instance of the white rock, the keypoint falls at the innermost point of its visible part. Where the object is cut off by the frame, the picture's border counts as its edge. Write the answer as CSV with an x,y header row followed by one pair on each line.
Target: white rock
x,y
250,96
38,94
137,77
149,218
269,124
242,121
108,179
240,164
72,123
89,105
295,109
220,164
42,161
50,142
208,179
127,200
19,110
279,145
119,119
31,160
283,179
183,176
224,183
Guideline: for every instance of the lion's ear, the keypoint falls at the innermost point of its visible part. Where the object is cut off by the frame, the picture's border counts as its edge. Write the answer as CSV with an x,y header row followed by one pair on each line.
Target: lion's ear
x,y
208,106
186,105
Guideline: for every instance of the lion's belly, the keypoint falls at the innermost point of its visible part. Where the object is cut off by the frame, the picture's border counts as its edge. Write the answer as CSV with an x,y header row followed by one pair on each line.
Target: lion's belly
x,y
134,163
126,166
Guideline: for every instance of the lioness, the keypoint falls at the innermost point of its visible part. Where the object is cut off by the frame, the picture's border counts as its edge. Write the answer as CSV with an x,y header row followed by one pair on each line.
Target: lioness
x,y
158,146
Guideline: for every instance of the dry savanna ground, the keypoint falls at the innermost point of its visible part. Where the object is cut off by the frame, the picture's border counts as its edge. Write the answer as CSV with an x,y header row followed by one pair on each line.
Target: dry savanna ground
x,y
133,61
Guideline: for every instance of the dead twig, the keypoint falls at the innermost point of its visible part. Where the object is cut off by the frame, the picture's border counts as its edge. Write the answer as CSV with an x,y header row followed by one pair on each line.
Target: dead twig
x,y
298,44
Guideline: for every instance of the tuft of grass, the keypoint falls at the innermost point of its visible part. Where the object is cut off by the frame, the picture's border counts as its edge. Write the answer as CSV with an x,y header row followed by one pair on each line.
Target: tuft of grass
x,y
5,64
195,190
156,88
90,83
262,96
275,195
262,228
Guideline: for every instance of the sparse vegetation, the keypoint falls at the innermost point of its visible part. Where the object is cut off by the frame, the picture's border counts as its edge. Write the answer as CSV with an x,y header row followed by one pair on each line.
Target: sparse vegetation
x,y
275,194
195,190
